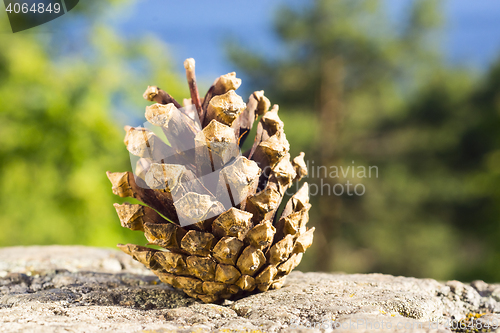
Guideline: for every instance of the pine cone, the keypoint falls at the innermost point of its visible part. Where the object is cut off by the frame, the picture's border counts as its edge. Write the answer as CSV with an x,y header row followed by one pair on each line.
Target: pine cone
x,y
212,210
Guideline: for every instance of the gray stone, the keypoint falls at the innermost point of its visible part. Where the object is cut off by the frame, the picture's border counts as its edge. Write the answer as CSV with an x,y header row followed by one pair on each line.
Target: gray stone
x,y
84,289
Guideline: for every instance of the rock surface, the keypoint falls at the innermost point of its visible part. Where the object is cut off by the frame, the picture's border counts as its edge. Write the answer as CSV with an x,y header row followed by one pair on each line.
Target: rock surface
x,y
83,289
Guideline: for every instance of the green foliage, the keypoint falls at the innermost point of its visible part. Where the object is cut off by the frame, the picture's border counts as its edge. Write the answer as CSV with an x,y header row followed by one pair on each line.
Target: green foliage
x,y
61,114
382,96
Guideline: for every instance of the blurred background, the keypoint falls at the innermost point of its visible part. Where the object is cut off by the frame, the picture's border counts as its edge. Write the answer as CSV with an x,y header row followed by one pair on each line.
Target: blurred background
x,y
411,87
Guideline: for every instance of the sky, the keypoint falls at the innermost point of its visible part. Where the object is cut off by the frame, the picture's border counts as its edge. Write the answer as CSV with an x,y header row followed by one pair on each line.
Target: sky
x,y
471,33
201,32
199,28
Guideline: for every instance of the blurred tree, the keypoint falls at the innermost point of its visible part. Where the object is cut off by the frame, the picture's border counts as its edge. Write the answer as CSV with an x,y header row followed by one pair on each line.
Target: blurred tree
x,y
381,95
62,103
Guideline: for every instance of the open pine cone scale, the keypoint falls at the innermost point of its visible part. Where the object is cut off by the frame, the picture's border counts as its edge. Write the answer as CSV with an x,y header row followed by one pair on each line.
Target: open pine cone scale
x,y
212,210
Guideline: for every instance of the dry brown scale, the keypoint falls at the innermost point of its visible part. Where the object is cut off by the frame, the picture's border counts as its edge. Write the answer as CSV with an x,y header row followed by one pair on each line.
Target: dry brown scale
x,y
212,210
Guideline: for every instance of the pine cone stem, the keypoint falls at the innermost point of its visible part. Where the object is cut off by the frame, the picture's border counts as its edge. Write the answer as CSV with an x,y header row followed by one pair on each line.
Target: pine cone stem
x,y
189,65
